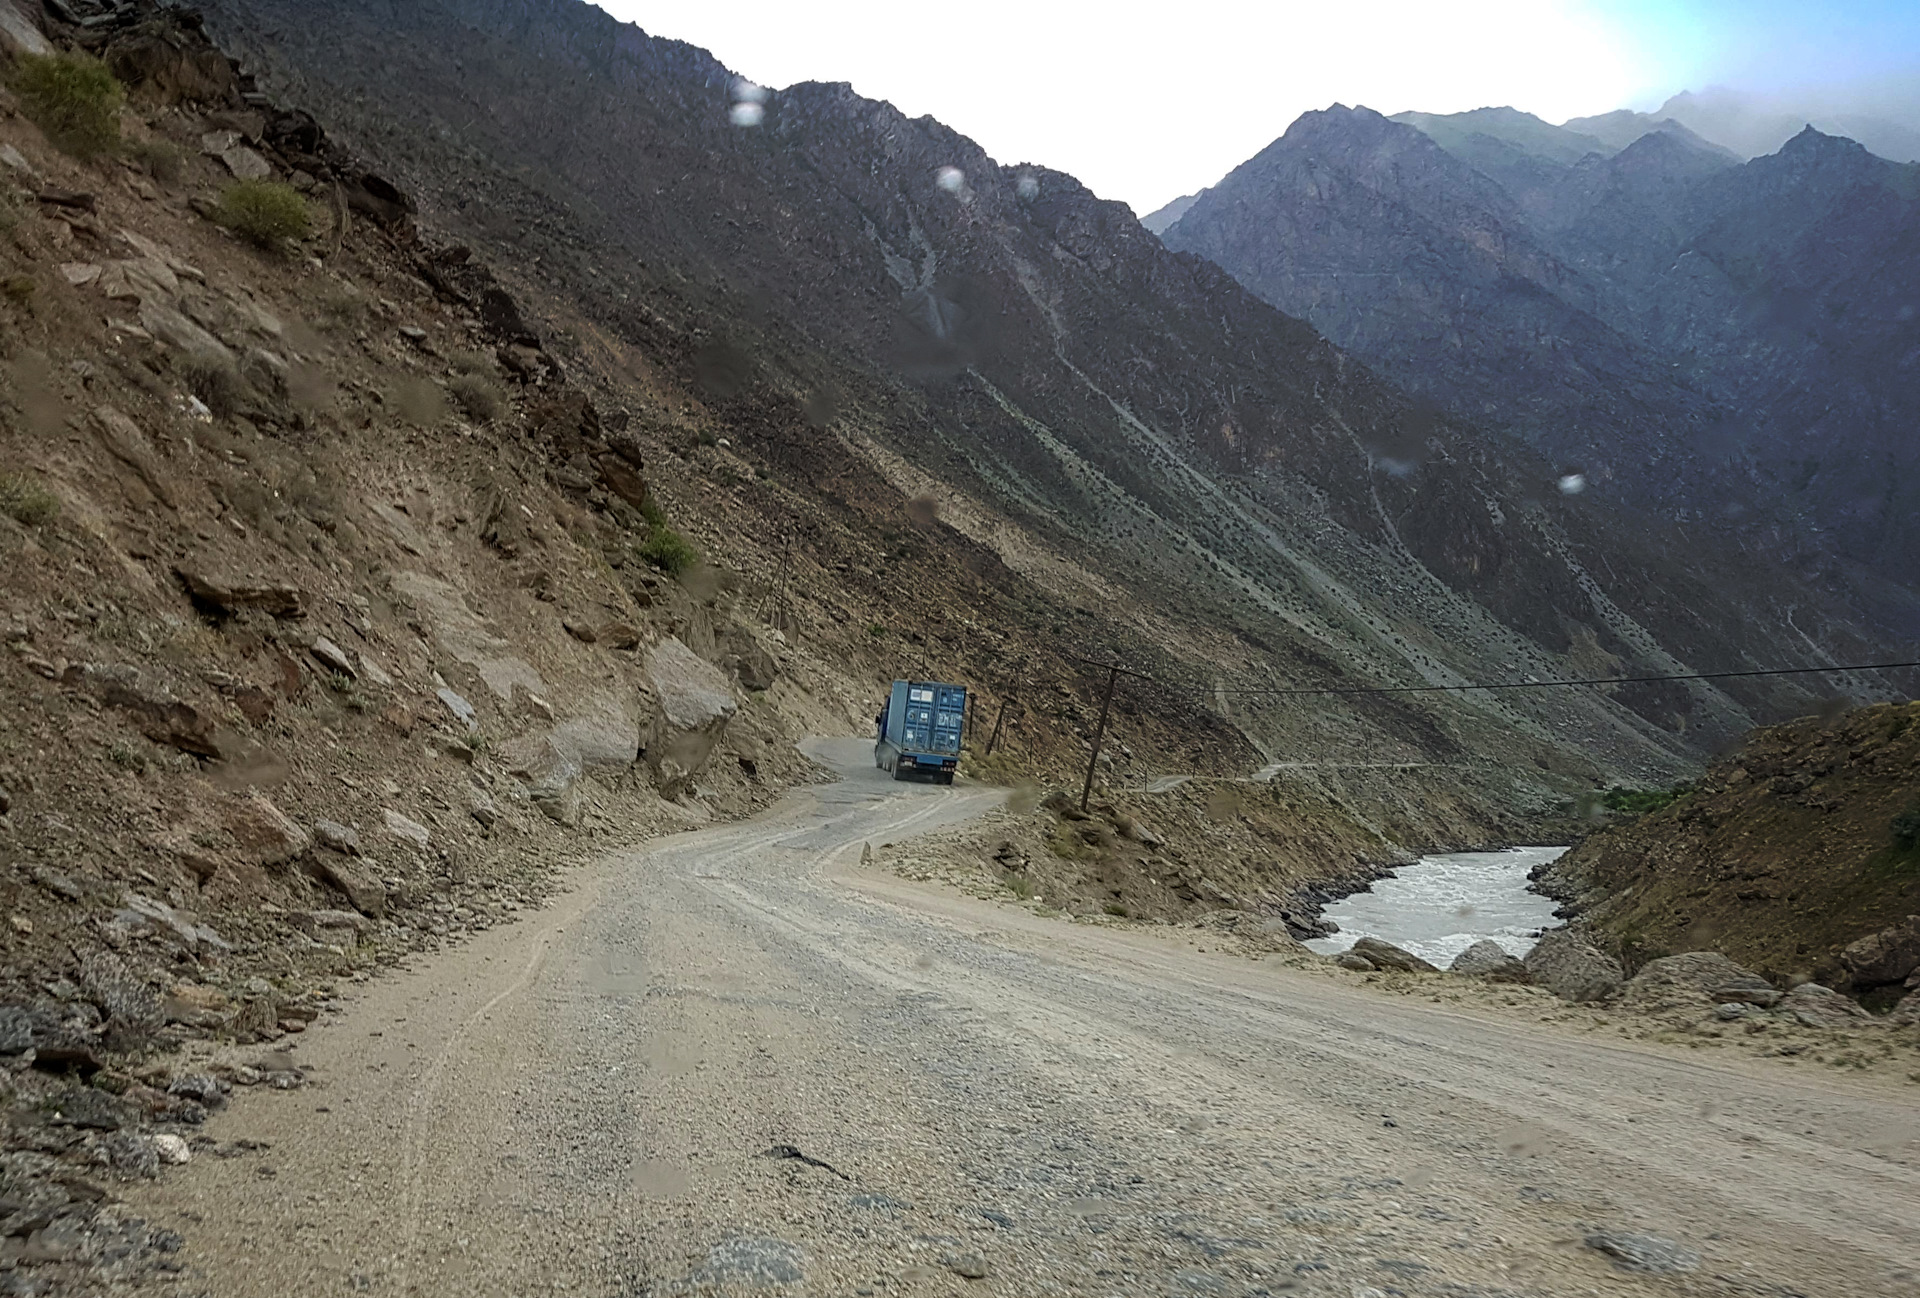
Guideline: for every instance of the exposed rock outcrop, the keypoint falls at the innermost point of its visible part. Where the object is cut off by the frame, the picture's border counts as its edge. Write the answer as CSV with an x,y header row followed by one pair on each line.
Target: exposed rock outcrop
x,y
1489,960
1703,977
1889,956
1572,968
693,703
1385,955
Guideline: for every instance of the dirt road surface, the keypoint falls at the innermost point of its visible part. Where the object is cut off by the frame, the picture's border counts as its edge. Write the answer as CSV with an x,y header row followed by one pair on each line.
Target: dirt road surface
x,y
735,1062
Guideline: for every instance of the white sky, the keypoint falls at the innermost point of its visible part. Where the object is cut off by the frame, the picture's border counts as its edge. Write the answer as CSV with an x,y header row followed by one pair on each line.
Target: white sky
x,y
1144,104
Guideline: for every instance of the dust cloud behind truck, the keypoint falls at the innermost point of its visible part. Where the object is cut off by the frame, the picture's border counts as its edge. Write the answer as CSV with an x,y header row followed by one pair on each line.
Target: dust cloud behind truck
x,y
920,731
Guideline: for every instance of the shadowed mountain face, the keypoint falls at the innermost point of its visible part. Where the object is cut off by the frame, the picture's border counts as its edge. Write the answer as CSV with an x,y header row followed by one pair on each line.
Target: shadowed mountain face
x,y
1718,341
1176,471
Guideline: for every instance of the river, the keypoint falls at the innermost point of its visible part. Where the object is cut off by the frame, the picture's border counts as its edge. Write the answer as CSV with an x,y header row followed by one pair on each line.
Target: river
x,y
1441,905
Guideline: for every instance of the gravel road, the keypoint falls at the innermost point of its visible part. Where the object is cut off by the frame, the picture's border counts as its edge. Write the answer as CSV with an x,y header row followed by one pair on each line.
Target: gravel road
x,y
738,1062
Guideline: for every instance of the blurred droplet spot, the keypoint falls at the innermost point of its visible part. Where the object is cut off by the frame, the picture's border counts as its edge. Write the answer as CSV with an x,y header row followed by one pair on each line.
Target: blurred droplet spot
x,y
1525,1139
951,179
661,1179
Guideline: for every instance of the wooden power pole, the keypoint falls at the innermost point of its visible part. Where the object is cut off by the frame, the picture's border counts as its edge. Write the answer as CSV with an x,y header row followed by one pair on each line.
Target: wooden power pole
x,y
1099,733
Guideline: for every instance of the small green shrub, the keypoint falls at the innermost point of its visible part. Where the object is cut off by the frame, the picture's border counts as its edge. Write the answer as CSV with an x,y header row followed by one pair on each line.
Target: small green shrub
x,y
1020,886
162,161
74,99
265,213
20,290
1115,909
876,630
1906,827
668,551
478,397
25,501
128,757
1638,802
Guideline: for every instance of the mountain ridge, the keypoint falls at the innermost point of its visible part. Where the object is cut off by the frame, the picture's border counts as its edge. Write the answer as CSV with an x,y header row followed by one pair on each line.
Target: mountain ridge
x,y
1755,302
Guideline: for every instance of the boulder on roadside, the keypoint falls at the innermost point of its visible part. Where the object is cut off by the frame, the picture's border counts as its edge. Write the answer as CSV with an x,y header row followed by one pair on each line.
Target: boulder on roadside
x,y
695,702
405,827
1907,1013
266,833
1357,963
1489,960
231,594
1572,968
1385,955
1697,978
601,736
1815,1006
1889,956
350,876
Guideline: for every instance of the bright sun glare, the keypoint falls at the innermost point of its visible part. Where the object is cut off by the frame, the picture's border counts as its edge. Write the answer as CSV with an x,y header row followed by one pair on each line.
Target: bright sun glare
x,y
1143,108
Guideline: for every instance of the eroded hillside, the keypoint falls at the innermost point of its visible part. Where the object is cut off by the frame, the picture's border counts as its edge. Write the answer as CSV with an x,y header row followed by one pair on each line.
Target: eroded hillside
x,y
1794,847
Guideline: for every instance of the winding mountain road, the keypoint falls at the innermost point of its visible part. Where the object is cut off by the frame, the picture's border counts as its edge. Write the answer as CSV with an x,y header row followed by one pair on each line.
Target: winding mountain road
x,y
735,1061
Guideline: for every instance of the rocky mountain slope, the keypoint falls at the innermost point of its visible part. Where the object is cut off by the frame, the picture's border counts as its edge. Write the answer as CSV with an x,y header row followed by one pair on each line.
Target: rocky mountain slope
x,y
1016,340
1796,855
1718,341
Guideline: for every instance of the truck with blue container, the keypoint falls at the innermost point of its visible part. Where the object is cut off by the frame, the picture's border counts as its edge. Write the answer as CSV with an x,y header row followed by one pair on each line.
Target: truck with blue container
x,y
920,731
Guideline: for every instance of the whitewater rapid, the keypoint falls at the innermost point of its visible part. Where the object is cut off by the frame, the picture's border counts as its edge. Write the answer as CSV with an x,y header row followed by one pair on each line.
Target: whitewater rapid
x,y
1441,905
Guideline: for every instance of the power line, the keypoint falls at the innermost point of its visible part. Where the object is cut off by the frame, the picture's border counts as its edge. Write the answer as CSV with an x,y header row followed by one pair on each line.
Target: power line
x,y
1494,685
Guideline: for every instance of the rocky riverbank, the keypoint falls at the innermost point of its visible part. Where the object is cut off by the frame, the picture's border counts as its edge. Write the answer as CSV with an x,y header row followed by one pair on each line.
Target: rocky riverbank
x,y
1797,855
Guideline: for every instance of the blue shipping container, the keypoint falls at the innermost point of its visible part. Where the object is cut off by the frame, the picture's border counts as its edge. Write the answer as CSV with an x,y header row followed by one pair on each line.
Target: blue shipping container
x,y
921,730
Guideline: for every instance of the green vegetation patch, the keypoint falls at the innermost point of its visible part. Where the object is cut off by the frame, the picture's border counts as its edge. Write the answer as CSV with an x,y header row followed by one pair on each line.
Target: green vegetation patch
x,y
265,213
74,99
26,501
663,547
1638,802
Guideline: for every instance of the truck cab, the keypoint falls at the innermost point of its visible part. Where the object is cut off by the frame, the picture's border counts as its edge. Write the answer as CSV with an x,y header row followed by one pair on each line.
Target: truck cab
x,y
919,731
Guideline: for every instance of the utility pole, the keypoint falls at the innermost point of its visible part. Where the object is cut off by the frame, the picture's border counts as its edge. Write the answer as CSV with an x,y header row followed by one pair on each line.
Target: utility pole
x,y
1001,715
1099,733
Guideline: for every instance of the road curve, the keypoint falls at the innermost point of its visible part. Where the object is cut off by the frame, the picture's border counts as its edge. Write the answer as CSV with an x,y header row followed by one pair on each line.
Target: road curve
x,y
735,1062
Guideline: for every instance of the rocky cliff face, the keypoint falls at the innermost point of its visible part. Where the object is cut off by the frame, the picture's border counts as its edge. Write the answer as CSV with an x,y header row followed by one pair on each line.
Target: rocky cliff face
x,y
1726,343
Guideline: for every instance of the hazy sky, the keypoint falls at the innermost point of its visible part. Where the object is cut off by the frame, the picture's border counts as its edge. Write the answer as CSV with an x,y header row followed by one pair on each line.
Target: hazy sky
x,y
1145,103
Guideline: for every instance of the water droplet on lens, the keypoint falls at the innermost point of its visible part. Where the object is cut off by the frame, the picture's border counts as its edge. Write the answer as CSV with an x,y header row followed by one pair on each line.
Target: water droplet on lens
x,y
746,92
950,179
746,114
1027,188
1572,484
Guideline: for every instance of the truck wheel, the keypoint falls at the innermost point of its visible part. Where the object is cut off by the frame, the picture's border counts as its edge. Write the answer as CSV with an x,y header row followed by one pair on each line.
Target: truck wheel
x,y
946,777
